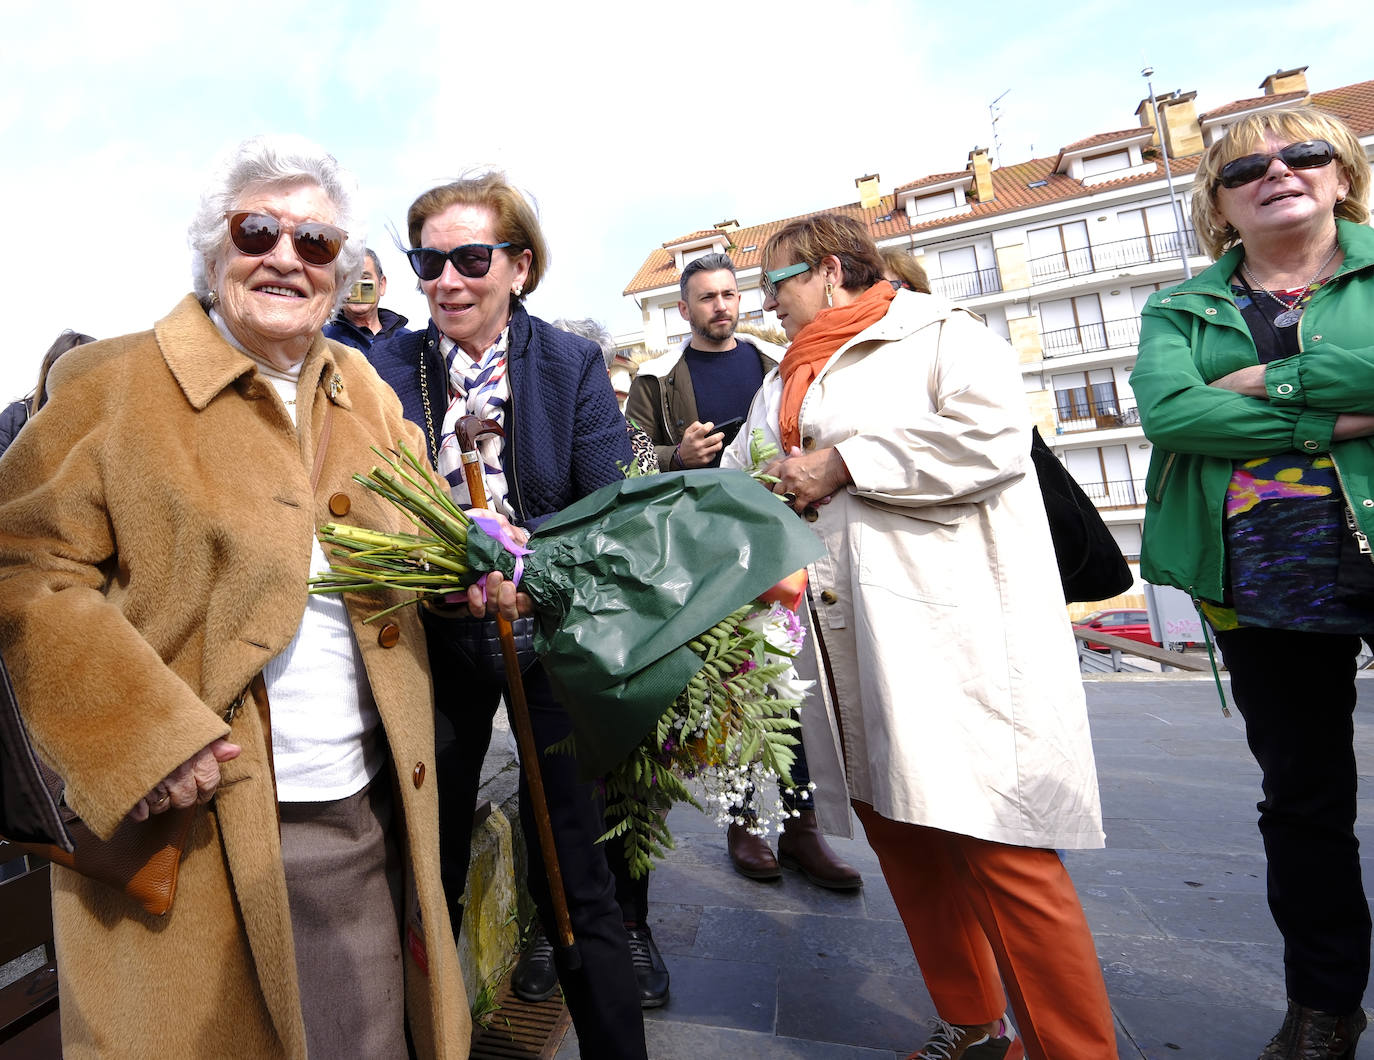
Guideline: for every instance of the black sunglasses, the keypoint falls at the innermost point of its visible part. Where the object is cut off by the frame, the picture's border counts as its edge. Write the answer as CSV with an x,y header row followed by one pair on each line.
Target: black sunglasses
x,y
255,234
1309,154
472,260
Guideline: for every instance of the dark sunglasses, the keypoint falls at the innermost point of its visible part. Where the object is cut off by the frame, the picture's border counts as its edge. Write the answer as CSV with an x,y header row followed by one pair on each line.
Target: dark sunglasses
x,y
255,234
472,260
1309,154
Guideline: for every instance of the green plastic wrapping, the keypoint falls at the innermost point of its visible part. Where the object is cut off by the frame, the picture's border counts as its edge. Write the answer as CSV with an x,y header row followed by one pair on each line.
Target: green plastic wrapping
x,y
623,579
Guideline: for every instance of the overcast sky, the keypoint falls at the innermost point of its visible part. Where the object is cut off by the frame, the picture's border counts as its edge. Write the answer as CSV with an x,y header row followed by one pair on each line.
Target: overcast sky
x,y
630,123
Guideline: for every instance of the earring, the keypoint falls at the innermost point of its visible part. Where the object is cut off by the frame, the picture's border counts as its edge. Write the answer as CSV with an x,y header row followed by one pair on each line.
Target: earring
x,y
213,299
830,294
1340,199
518,290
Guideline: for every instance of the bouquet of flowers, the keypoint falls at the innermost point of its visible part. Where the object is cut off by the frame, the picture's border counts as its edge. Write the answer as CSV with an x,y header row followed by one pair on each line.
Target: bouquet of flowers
x,y
646,620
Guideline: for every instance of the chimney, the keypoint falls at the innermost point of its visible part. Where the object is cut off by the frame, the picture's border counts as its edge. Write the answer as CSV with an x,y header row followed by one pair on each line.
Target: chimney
x,y
1281,81
727,226
1182,130
981,169
869,195
1181,125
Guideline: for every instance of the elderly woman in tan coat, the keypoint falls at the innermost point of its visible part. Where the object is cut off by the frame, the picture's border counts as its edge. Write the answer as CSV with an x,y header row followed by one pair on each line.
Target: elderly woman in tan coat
x,y
965,734
157,531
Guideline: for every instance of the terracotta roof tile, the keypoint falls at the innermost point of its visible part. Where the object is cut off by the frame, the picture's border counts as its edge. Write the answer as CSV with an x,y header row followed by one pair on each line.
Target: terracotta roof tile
x,y
1354,104
934,178
1103,138
703,234
1253,103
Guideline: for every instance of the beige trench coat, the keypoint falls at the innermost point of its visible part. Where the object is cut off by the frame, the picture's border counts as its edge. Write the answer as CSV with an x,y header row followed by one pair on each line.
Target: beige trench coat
x,y
155,525
959,699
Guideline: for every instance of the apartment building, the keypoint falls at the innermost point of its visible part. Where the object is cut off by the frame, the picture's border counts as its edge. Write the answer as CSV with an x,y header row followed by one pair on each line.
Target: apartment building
x,y
1058,254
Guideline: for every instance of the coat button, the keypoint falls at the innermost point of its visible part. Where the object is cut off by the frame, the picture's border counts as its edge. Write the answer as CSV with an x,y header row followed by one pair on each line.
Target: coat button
x,y
1310,445
808,443
811,515
389,636
1316,338
339,505
1284,388
1165,301
828,596
1367,503
1210,311
418,774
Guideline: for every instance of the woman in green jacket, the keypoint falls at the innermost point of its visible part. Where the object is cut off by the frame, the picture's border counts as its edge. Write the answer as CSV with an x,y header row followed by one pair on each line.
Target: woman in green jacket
x,y
1256,385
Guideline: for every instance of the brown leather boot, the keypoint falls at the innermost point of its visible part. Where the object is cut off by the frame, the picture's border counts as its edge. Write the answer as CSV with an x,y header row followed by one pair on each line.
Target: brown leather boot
x,y
801,846
751,854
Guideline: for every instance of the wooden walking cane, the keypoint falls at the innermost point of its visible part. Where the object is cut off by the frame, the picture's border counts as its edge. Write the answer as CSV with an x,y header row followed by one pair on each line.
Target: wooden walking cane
x,y
469,429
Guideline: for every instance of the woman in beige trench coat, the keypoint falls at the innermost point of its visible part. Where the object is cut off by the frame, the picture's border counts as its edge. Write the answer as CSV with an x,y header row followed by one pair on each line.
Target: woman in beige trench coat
x,y
957,696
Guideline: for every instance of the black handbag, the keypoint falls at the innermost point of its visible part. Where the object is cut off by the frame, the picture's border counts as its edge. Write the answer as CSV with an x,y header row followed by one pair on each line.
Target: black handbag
x,y
1091,566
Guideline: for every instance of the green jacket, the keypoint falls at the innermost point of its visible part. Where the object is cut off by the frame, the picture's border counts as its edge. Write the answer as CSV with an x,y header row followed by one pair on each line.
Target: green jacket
x,y
1192,334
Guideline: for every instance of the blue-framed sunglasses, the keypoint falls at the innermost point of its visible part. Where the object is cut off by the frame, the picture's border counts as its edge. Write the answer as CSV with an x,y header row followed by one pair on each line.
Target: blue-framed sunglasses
x,y
472,260
773,277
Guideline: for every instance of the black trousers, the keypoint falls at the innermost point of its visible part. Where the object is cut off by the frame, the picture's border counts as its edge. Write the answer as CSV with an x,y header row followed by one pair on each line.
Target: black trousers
x,y
603,994
1296,692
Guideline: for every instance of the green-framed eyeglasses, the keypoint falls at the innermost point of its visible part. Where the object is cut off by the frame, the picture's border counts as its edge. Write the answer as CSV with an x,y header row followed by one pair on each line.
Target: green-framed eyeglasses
x,y
773,277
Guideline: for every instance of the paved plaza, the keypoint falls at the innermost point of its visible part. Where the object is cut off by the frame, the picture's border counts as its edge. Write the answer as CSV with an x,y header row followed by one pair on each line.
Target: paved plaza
x,y
1193,962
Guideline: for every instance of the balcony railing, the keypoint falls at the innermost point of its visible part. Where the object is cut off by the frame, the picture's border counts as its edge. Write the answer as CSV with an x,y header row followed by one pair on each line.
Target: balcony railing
x,y
967,284
1137,251
1116,493
1080,418
1090,338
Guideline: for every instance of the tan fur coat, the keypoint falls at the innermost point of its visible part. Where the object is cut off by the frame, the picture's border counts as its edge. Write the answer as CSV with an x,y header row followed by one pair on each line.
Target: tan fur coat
x,y
155,525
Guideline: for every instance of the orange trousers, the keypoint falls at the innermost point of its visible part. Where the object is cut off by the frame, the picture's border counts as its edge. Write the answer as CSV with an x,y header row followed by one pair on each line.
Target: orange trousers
x,y
980,915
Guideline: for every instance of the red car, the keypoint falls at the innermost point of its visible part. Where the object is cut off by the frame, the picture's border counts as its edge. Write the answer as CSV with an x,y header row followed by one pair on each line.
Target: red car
x,y
1119,622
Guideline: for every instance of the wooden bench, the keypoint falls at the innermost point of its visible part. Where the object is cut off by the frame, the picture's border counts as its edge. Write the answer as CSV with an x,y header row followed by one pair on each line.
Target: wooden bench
x,y
29,1026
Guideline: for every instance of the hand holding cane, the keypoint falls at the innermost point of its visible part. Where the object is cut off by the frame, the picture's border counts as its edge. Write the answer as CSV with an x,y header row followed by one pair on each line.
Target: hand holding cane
x,y
469,430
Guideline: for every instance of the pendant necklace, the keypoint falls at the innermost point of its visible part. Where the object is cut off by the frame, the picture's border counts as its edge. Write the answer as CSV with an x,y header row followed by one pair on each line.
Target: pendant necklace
x,y
1292,311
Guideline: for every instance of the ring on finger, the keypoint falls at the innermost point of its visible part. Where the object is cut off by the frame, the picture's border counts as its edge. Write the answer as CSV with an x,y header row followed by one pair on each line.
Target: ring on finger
x,y
790,497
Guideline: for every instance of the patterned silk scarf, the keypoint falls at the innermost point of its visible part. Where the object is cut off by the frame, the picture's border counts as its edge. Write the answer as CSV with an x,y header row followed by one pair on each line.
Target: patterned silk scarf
x,y
479,389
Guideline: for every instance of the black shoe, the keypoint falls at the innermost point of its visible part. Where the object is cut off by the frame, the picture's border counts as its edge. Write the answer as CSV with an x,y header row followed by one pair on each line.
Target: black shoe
x,y
650,970
1307,1034
535,978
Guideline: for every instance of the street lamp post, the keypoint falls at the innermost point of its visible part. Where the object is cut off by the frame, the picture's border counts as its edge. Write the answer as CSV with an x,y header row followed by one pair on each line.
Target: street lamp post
x,y
1147,73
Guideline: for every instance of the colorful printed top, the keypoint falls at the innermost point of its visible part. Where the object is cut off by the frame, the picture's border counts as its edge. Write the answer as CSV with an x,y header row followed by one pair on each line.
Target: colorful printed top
x,y
1285,516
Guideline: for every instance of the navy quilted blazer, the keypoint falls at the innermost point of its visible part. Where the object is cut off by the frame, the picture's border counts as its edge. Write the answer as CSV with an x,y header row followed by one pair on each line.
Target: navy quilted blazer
x,y
565,436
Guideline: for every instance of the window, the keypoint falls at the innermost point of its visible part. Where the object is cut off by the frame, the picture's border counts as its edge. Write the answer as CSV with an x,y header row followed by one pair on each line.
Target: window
x,y
1087,400
1105,475
944,200
1072,325
1107,163
1141,293
1148,234
1062,250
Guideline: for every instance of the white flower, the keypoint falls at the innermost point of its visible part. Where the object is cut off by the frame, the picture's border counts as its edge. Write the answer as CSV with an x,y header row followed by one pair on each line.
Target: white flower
x,y
779,627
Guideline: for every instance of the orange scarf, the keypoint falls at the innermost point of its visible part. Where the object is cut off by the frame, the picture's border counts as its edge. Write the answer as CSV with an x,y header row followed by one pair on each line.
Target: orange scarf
x,y
815,343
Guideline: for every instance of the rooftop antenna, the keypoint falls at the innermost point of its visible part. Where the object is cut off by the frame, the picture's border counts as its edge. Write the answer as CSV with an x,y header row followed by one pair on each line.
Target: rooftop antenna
x,y
995,115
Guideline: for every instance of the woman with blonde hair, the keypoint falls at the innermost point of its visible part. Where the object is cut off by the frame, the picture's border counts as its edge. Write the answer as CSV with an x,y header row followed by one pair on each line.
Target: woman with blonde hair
x,y
1256,385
